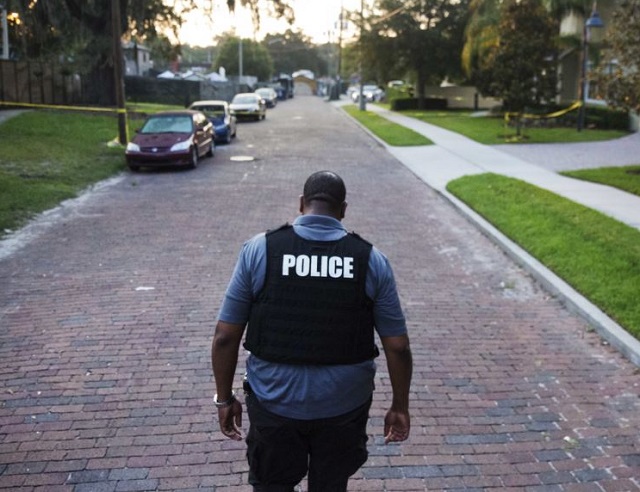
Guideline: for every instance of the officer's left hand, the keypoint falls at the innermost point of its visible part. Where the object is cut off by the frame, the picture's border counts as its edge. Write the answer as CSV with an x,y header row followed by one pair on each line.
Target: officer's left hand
x,y
230,419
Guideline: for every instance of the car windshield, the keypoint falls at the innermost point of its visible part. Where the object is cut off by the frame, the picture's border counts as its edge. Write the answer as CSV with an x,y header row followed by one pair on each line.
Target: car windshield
x,y
244,100
167,124
264,92
211,110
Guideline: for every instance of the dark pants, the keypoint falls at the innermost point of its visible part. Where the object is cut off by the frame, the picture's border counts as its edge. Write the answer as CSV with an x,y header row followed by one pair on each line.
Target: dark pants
x,y
282,451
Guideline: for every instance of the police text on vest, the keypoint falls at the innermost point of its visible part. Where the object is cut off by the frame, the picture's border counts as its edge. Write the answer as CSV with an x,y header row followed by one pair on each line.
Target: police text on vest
x,y
318,266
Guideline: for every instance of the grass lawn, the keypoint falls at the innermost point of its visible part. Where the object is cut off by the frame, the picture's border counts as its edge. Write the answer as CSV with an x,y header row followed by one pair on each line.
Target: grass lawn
x,y
149,108
626,178
597,255
491,130
391,133
47,157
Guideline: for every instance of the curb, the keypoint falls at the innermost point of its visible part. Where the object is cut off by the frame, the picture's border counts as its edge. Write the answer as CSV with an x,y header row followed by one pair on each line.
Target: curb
x,y
607,328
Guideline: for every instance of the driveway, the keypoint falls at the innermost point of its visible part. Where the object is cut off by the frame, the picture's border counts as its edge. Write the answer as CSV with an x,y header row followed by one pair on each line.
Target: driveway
x,y
624,151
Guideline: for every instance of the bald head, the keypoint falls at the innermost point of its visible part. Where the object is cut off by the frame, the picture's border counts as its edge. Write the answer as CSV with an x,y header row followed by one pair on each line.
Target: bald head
x,y
324,193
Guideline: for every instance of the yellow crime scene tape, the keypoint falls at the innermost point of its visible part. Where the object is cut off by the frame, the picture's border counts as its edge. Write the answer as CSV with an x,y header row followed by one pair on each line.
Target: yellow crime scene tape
x,y
555,114
114,142
58,106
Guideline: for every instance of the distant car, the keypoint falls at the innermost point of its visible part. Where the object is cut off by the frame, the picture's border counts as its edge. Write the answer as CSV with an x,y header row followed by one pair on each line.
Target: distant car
x,y
219,113
171,138
396,83
269,95
248,105
372,93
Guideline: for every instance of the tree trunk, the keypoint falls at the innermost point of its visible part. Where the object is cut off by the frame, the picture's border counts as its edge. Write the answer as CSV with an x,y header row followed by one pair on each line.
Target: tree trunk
x,y
98,84
421,82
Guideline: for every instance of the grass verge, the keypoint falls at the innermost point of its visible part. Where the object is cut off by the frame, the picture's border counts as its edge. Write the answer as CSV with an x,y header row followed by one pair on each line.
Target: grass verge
x,y
626,178
391,133
491,130
597,255
47,157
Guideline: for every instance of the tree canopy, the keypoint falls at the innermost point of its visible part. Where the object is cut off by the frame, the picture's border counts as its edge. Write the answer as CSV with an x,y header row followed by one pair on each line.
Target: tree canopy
x,y
522,68
618,75
80,32
256,60
421,37
293,51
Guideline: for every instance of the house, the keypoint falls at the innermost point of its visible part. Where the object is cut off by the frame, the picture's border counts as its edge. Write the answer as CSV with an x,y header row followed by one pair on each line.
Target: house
x,y
137,59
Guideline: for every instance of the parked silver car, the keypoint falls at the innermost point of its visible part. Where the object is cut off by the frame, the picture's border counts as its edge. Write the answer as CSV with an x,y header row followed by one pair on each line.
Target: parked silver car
x,y
248,105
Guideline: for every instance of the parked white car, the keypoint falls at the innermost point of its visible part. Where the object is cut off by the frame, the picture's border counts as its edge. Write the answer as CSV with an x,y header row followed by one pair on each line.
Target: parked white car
x,y
372,93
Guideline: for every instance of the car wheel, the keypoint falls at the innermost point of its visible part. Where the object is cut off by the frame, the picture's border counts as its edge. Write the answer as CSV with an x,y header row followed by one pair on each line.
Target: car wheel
x,y
134,169
212,149
229,136
194,158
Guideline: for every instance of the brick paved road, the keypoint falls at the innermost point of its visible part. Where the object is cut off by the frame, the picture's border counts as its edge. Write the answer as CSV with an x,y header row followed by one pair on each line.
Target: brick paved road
x,y
106,319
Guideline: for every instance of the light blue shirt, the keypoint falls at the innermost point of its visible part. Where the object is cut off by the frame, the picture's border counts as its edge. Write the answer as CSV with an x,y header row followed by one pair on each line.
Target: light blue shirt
x,y
311,391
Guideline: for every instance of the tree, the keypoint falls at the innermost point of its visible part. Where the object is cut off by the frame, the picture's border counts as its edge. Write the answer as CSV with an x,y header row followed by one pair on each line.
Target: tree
x,y
256,60
481,38
81,31
423,37
293,51
522,68
619,72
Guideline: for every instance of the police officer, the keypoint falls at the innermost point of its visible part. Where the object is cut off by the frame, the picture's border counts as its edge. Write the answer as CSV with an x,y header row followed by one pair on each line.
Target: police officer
x,y
311,296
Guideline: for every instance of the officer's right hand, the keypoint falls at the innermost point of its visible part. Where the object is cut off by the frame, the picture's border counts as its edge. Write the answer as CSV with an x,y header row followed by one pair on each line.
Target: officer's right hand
x,y
396,426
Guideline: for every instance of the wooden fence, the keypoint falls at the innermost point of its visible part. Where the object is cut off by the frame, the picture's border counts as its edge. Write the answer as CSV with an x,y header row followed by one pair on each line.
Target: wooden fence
x,y
35,82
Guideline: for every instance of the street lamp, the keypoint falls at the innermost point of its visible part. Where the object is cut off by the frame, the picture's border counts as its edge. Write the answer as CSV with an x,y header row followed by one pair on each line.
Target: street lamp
x,y
593,22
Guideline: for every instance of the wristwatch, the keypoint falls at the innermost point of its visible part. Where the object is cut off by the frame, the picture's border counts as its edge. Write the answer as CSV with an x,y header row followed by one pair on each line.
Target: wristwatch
x,y
226,403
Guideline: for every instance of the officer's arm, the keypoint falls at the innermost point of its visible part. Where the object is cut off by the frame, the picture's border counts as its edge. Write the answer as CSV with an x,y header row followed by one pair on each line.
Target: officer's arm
x,y
400,365
224,359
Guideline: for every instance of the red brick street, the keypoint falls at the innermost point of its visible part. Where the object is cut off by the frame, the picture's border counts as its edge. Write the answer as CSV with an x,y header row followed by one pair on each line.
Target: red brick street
x,y
108,304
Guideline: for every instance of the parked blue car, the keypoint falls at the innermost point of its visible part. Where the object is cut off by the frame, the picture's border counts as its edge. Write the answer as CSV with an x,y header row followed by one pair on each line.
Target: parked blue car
x,y
218,112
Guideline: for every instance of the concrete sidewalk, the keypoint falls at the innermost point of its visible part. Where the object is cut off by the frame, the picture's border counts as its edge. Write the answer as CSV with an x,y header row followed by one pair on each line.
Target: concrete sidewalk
x,y
454,156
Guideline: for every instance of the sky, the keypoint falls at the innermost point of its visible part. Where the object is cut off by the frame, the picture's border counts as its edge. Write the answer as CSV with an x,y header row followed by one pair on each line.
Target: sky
x,y
318,19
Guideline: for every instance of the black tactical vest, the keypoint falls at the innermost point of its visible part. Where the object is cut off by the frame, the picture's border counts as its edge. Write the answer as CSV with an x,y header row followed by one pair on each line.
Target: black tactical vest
x,y
313,308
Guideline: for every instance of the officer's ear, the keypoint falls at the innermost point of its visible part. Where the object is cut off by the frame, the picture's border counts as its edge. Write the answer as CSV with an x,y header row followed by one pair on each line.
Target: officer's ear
x,y
343,208
301,209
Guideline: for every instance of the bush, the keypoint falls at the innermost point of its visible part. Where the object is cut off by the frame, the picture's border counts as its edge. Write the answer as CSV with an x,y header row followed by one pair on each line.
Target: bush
x,y
601,118
606,118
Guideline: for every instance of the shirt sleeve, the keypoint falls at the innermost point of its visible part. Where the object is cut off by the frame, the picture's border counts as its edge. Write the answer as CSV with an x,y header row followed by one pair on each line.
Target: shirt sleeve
x,y
246,281
381,287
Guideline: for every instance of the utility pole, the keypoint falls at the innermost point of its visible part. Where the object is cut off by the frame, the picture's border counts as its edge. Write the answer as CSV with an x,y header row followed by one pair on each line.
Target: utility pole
x,y
341,20
336,89
240,61
362,103
118,72
5,32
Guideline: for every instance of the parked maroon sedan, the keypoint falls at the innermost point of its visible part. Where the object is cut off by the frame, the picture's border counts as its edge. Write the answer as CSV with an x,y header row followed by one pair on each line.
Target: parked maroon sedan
x,y
171,138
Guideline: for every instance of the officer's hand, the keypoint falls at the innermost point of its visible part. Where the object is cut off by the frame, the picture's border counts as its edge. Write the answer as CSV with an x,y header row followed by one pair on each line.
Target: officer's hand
x,y
230,419
396,426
